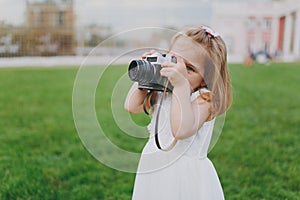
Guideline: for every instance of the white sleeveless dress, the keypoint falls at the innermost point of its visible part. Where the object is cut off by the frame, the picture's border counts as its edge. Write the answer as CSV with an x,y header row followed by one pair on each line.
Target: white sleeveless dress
x,y
185,172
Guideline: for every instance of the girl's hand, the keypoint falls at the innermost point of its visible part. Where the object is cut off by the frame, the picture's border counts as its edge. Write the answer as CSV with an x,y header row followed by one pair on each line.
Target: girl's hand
x,y
148,54
175,72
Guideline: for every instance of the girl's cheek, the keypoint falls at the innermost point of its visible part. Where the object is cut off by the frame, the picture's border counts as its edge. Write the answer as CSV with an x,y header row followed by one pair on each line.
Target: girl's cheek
x,y
189,72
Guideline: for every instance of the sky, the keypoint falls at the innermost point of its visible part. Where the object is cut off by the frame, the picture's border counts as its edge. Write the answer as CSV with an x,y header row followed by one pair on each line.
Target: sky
x,y
122,14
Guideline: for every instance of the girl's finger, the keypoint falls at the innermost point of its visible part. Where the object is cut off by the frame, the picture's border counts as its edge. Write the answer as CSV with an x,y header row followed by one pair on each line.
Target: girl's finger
x,y
168,64
180,60
165,72
181,63
148,54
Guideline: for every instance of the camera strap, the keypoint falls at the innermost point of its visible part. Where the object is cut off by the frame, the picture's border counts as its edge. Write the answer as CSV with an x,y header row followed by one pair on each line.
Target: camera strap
x,y
156,124
147,101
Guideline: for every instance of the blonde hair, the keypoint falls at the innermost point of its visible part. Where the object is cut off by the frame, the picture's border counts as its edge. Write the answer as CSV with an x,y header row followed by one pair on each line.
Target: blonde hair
x,y
216,74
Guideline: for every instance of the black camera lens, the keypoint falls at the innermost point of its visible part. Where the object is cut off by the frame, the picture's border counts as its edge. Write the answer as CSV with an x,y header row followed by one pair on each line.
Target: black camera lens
x,y
141,71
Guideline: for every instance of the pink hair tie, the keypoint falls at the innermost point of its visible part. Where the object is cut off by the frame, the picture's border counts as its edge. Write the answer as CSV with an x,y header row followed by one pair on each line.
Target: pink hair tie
x,y
209,31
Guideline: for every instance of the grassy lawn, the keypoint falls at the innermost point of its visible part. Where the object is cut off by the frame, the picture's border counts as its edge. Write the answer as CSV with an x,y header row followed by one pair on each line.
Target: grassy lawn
x,y
42,157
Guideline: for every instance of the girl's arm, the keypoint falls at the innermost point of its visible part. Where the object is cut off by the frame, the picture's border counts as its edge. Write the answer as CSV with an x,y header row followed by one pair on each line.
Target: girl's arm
x,y
135,99
186,116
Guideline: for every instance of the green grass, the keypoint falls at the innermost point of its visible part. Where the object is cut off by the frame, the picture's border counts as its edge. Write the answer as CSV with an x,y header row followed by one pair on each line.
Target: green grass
x,y
42,157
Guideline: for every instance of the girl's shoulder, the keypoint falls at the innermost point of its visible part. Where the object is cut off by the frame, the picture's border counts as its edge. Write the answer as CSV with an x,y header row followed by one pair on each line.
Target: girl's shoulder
x,y
203,100
201,96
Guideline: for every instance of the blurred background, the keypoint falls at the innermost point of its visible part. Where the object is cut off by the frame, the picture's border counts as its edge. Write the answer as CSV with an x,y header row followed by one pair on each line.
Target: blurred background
x,y
43,43
74,27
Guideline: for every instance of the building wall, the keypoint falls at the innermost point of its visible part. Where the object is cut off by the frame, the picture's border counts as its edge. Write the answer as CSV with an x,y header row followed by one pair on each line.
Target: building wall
x,y
50,27
251,27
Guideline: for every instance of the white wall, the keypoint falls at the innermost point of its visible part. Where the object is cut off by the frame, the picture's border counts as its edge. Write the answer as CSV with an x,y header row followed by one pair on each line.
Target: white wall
x,y
230,19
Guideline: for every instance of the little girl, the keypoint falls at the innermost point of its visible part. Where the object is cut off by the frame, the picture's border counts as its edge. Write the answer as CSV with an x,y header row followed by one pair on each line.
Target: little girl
x,y
201,92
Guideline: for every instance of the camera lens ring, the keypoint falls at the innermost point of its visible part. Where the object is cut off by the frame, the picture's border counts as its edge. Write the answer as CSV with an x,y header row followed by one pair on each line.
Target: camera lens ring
x,y
141,71
133,70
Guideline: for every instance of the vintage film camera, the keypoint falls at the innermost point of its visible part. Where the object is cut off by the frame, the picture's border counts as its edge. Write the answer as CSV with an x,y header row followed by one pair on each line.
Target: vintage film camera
x,y
147,72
